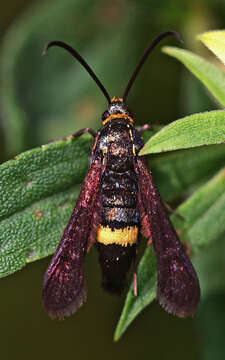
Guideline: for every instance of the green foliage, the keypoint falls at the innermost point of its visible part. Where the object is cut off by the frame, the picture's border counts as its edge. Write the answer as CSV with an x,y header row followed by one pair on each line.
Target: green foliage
x,y
215,41
191,131
210,75
38,191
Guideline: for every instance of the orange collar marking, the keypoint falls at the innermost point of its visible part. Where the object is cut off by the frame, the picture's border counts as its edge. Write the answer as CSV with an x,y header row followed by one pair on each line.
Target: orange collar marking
x,y
117,116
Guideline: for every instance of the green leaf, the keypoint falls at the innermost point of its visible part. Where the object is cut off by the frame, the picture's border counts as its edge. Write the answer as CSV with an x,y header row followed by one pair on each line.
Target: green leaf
x,y
191,131
204,214
34,233
211,76
41,172
182,172
37,196
215,41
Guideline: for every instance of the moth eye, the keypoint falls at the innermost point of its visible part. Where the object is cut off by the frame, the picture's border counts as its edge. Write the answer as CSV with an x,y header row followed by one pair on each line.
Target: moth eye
x,y
129,113
105,115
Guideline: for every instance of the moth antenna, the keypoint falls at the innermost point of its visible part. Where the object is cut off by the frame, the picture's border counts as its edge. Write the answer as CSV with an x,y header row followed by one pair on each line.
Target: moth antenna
x,y
145,56
81,61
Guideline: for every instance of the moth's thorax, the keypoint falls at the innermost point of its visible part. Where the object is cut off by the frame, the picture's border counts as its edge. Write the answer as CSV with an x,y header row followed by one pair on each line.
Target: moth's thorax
x,y
118,143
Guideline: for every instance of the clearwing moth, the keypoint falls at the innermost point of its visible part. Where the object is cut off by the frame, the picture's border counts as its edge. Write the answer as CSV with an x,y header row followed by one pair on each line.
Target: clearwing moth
x,y
118,202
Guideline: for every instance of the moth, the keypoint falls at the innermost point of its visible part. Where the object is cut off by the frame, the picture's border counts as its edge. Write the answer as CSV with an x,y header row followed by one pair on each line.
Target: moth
x,y
119,201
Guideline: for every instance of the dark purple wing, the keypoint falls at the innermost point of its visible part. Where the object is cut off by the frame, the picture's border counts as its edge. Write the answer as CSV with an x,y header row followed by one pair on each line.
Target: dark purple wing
x,y
178,286
64,287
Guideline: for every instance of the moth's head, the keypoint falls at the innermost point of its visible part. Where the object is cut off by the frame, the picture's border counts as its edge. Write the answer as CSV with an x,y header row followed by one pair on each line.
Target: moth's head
x,y
116,109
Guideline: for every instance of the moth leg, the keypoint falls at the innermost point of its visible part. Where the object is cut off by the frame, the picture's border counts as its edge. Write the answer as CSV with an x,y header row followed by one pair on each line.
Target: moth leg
x,y
187,248
84,131
135,265
149,241
144,128
172,211
77,134
135,272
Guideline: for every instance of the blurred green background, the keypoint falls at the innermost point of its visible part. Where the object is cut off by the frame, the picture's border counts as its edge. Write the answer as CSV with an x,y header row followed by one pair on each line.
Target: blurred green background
x,y
44,98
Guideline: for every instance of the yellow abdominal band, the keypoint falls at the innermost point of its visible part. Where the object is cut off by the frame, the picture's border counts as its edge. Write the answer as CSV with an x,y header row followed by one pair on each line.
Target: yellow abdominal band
x,y
125,236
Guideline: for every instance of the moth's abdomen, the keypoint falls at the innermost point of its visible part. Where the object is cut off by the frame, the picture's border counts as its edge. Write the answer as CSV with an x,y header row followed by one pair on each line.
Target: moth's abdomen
x,y
115,261
117,235
120,218
123,237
